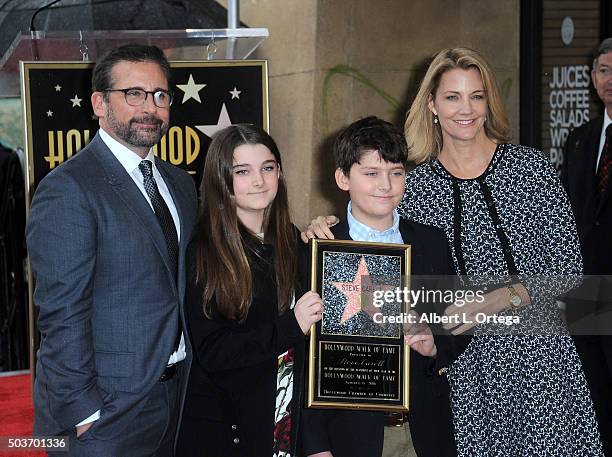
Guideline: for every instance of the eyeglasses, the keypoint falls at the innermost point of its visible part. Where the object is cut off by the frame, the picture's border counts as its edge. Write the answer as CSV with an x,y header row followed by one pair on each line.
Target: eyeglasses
x,y
135,96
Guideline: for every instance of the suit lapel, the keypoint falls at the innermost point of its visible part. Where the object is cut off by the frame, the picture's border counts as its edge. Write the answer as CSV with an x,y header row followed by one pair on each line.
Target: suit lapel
x,y
179,200
406,231
341,230
593,146
419,264
591,150
125,188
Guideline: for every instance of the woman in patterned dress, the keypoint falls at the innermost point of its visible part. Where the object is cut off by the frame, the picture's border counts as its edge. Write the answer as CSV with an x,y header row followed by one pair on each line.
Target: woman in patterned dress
x,y
516,390
243,270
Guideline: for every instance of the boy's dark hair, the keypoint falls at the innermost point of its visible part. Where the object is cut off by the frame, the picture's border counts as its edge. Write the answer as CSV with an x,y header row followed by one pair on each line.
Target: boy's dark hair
x,y
101,78
367,134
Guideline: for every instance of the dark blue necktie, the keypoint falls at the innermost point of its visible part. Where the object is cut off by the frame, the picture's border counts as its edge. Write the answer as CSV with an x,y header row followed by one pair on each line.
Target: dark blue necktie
x,y
604,168
167,225
162,212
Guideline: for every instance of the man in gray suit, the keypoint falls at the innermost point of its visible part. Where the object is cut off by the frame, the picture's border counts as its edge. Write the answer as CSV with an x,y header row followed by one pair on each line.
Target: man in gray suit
x,y
106,236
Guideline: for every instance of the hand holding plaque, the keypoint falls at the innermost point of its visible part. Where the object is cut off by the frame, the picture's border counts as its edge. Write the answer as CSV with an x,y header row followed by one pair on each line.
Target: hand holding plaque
x,y
308,310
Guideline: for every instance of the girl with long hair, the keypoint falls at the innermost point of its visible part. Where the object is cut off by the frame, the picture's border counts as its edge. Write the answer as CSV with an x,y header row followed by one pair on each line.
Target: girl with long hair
x,y
243,277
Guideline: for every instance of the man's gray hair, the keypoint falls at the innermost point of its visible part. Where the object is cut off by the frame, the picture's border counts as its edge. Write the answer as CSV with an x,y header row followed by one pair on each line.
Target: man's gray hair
x,y
604,48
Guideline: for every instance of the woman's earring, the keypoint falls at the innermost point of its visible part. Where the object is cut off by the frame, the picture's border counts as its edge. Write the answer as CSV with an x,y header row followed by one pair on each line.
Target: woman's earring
x,y
435,119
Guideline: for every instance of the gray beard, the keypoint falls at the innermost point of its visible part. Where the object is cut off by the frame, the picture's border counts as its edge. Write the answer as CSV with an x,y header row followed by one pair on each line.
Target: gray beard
x,y
134,137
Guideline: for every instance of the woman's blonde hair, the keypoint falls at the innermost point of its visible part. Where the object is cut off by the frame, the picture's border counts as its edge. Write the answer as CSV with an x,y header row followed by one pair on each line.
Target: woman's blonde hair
x,y
424,138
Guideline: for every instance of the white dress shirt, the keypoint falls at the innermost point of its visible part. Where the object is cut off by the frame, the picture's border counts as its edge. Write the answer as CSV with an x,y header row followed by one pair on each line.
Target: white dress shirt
x,y
130,161
358,231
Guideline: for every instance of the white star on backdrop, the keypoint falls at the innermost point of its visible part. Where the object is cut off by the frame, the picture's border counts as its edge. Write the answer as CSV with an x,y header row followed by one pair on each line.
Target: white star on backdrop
x,y
235,93
76,101
224,121
58,88
191,89
49,113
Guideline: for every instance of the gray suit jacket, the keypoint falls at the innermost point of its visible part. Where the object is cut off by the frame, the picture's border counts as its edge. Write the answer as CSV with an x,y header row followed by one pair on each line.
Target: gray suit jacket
x,y
108,303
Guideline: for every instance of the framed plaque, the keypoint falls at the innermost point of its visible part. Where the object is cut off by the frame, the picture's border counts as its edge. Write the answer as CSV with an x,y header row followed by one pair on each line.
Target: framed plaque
x,y
357,358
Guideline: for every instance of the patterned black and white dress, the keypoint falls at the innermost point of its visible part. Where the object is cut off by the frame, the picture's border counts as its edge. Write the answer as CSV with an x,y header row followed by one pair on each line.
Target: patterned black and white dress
x,y
523,393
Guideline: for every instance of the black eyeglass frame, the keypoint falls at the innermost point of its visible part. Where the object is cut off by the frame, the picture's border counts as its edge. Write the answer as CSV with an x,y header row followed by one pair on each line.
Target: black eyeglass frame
x,y
146,92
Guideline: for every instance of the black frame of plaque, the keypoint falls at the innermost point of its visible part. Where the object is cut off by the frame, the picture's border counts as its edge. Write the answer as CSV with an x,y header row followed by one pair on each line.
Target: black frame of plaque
x,y
318,339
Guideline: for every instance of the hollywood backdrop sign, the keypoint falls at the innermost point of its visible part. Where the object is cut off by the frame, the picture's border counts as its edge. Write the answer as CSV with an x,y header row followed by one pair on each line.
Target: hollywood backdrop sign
x,y
208,96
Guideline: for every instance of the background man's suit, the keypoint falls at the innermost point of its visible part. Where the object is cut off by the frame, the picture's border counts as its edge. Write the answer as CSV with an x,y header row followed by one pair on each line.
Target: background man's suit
x,y
595,231
109,303
578,177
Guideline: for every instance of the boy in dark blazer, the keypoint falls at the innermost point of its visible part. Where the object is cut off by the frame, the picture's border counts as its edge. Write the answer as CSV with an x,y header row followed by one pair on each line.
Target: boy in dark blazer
x,y
370,157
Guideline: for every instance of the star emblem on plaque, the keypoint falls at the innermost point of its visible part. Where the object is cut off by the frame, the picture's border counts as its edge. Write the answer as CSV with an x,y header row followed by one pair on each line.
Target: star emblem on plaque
x,y
358,293
348,293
